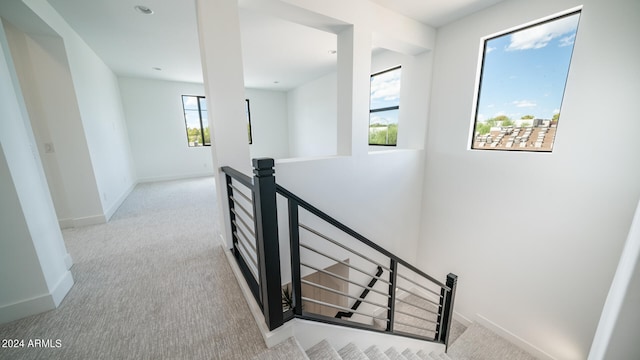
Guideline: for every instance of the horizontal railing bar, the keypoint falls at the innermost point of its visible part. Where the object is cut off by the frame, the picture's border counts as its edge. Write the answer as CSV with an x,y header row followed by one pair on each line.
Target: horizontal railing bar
x,y
243,253
343,263
340,308
342,293
238,191
322,215
413,326
237,175
252,255
246,242
342,246
420,296
245,237
417,317
249,228
344,279
420,285
244,209
416,306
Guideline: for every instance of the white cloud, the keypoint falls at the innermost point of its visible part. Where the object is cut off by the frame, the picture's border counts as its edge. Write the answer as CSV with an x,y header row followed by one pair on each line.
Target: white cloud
x,y
386,86
524,103
489,49
556,111
567,40
539,36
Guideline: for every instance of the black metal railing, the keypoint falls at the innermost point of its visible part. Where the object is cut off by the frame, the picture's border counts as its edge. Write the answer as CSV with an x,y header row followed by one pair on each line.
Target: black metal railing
x,y
331,266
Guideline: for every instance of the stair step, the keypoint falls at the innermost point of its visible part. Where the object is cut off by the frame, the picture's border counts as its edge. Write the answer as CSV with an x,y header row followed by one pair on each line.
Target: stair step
x,y
410,355
351,352
323,351
374,353
393,354
439,356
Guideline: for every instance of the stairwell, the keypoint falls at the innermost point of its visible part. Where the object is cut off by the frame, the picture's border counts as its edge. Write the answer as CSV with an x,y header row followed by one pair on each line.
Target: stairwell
x,y
474,342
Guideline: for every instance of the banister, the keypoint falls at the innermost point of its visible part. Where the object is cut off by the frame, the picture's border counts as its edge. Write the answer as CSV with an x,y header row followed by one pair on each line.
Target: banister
x,y
242,178
321,214
266,284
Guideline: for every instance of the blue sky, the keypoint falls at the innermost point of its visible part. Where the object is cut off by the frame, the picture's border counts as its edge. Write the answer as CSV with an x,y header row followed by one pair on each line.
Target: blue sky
x,y
385,92
524,73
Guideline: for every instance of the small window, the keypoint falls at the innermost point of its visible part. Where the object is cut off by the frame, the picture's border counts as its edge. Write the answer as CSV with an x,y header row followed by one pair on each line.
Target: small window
x,y
196,120
521,86
384,107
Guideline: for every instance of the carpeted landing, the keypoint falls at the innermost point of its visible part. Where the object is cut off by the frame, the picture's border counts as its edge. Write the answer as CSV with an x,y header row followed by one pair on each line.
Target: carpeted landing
x,y
153,283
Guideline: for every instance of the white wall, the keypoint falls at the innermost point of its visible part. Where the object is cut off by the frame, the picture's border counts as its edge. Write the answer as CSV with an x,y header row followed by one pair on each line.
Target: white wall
x,y
33,259
98,101
312,114
535,238
269,123
156,128
45,79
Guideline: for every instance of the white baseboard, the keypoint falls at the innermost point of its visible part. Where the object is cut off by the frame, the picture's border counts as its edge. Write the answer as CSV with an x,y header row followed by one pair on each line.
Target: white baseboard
x,y
27,307
65,223
175,177
114,207
61,289
83,221
68,261
462,319
513,338
37,304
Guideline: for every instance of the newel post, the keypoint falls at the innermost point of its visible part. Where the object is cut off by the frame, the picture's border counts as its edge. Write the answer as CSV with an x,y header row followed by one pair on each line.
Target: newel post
x,y
266,225
447,310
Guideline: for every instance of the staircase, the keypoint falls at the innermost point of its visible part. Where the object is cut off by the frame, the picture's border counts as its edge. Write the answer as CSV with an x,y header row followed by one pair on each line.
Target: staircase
x,y
324,351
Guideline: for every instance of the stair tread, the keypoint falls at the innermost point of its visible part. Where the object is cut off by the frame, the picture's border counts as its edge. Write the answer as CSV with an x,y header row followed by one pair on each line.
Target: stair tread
x,y
439,356
393,354
424,355
323,351
410,355
351,352
374,353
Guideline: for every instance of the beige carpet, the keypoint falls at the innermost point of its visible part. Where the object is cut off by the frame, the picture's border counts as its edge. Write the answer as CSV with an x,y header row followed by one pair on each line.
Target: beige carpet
x,y
153,283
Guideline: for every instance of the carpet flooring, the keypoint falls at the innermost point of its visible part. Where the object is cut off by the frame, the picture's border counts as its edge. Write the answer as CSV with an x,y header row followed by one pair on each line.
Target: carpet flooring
x,y
153,283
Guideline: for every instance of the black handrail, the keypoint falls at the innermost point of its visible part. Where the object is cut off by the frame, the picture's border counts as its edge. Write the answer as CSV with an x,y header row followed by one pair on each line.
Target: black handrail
x,y
266,284
363,295
322,215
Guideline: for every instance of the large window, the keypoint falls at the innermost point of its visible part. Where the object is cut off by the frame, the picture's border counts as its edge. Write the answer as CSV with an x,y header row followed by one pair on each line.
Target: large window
x,y
196,121
384,107
521,86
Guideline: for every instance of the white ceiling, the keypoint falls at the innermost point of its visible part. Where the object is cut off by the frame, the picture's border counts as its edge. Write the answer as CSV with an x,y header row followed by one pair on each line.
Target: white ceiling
x,y
278,54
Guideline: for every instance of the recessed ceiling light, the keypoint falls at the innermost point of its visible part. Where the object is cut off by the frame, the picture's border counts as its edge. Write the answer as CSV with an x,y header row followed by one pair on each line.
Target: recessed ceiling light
x,y
143,9
332,52
156,68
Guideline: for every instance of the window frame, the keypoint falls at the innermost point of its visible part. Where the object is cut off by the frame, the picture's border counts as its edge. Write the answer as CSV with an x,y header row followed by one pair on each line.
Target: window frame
x,y
481,71
186,125
382,109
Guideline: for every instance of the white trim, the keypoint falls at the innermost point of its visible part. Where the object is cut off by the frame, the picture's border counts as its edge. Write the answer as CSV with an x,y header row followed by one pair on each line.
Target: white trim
x,y
89,220
513,338
114,207
68,261
37,304
27,307
629,260
175,177
61,289
65,223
